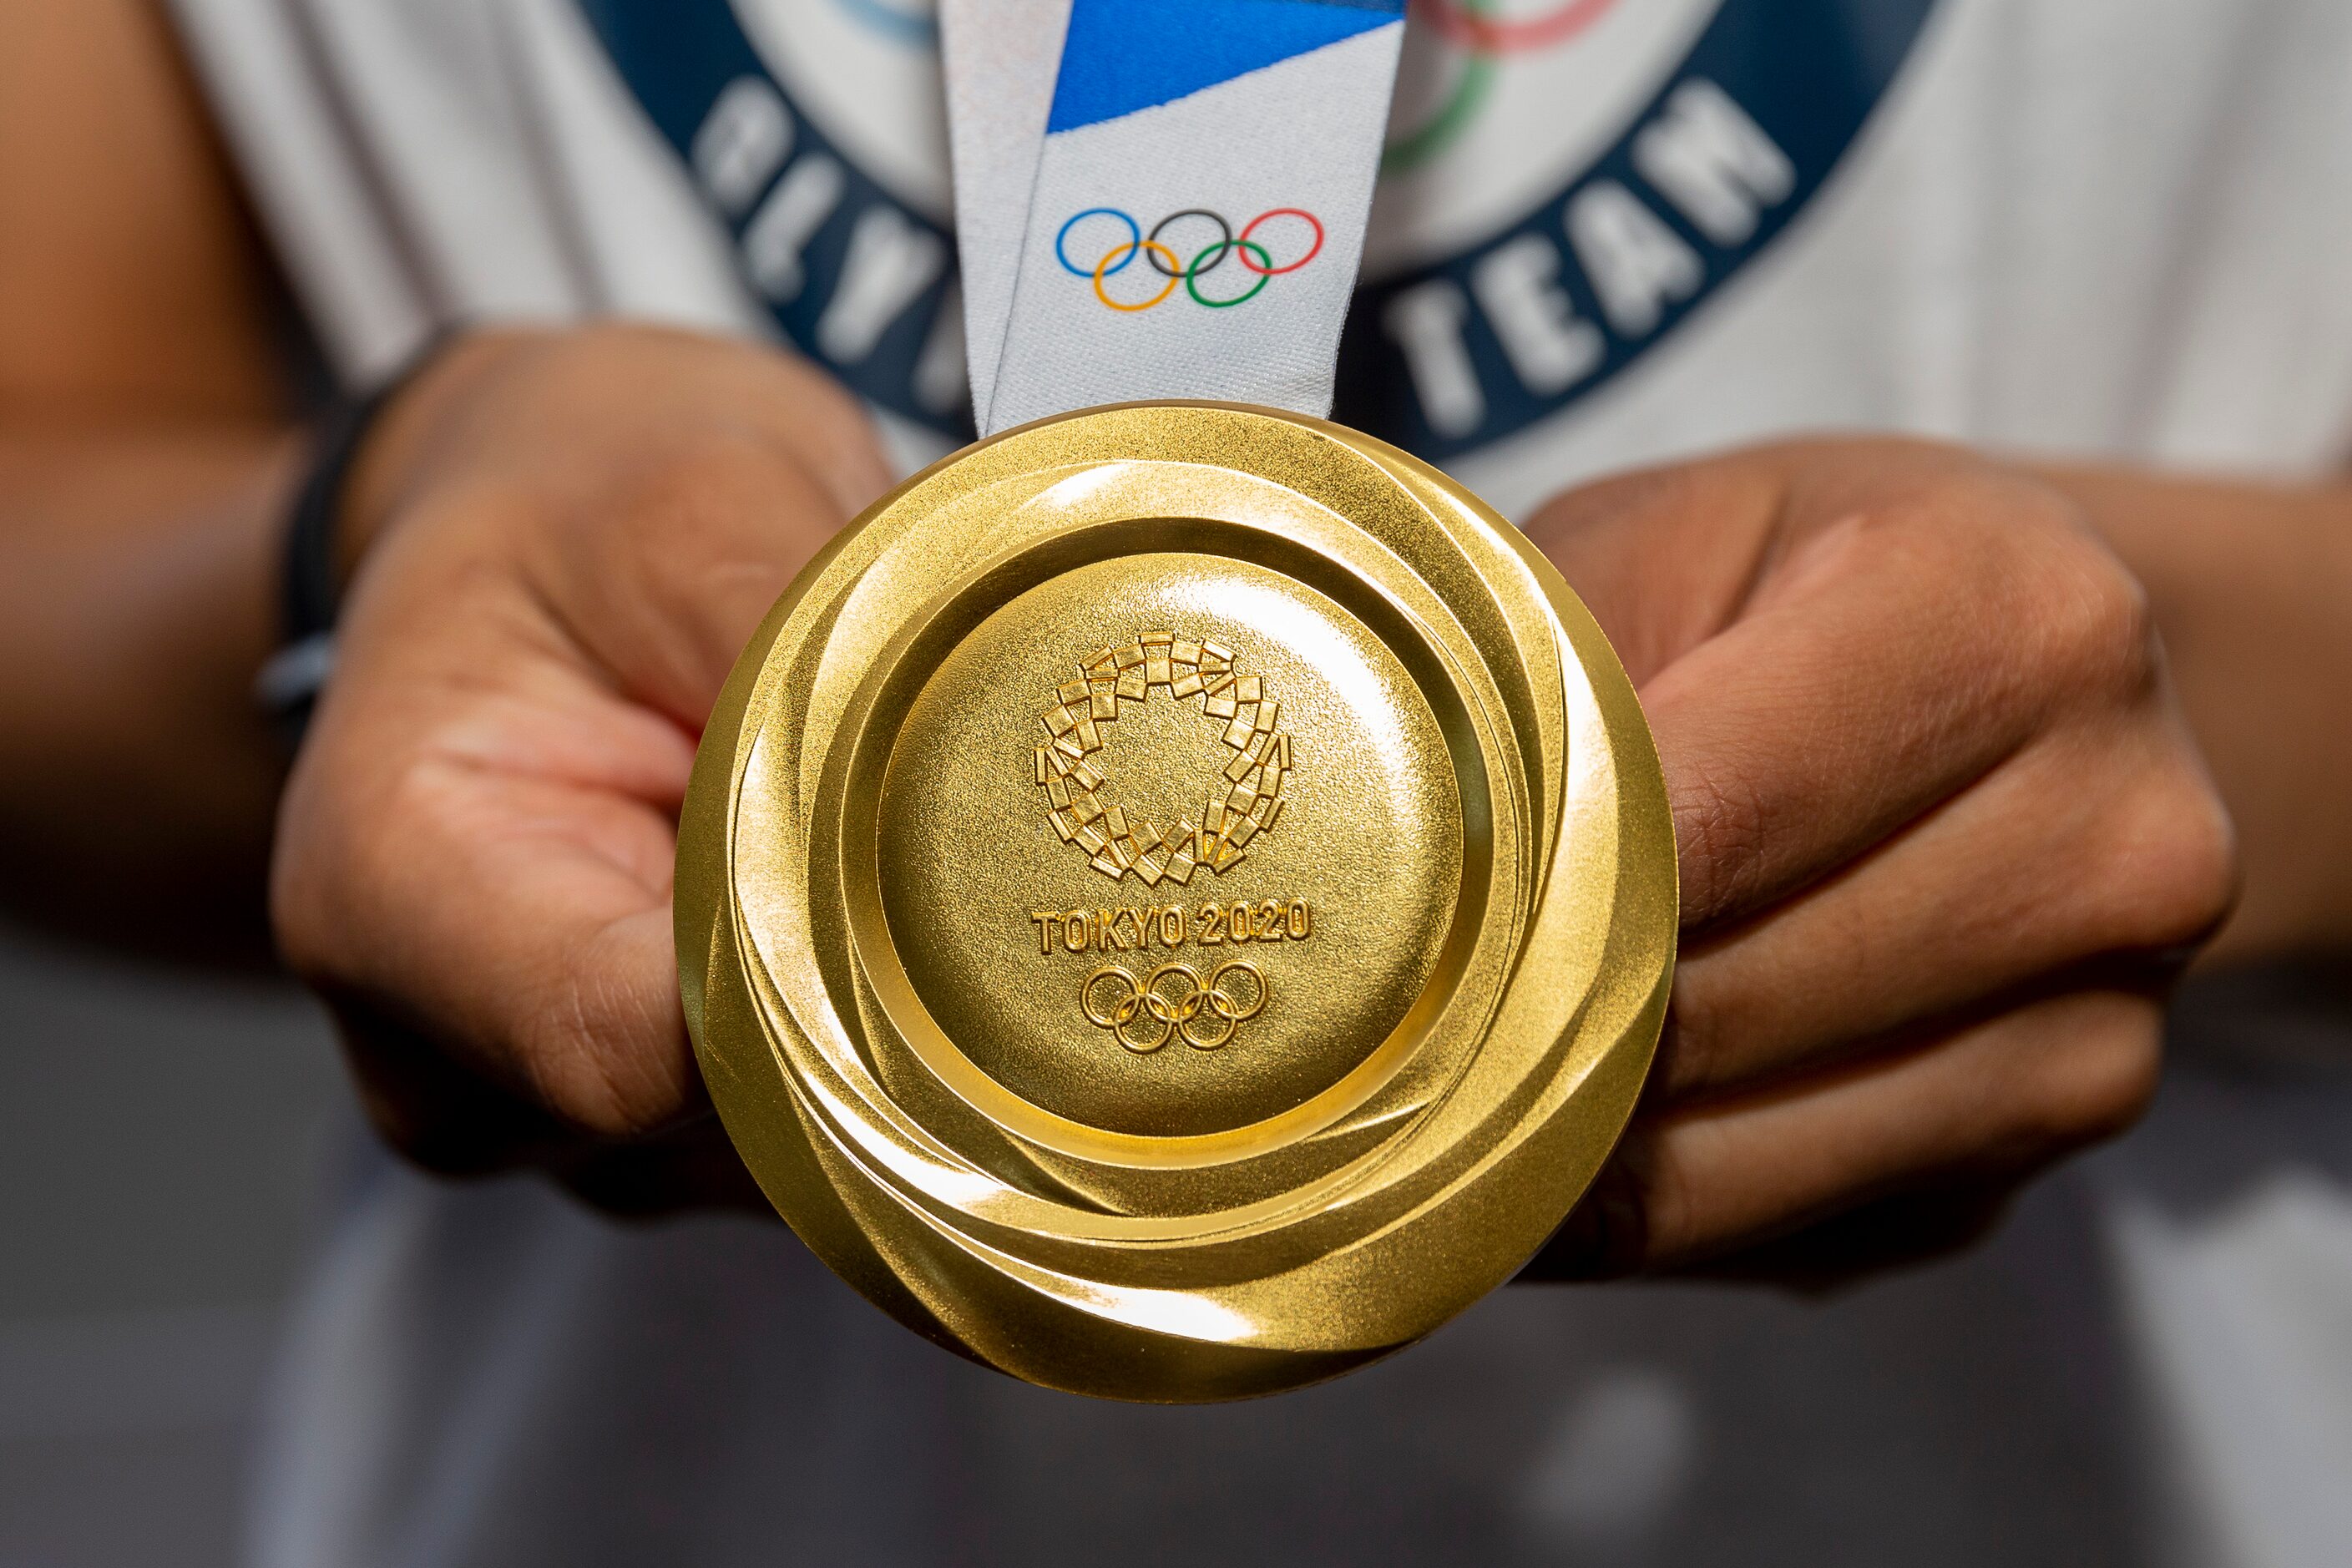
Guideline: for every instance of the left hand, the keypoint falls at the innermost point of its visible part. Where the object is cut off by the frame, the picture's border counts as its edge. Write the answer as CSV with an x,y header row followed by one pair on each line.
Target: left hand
x,y
1944,841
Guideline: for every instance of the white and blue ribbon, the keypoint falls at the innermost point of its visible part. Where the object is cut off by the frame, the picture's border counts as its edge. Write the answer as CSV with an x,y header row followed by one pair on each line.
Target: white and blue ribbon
x,y
1162,198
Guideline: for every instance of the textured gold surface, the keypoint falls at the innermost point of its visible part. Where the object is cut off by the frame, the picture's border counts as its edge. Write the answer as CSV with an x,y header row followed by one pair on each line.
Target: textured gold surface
x,y
1177,902
1368,847
1243,785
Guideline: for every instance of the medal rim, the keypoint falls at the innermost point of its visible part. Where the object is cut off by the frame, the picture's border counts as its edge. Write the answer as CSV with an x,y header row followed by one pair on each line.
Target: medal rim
x,y
1559,1146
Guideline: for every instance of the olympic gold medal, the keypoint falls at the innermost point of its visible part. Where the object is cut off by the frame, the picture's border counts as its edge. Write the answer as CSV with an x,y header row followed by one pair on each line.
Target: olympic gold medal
x,y
1177,902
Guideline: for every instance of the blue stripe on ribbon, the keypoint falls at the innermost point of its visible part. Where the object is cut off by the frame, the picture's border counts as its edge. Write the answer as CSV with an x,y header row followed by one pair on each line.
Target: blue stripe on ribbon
x,y
1121,56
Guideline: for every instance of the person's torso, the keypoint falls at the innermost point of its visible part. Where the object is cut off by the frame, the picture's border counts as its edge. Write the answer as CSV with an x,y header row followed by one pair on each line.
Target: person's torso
x,y
1608,230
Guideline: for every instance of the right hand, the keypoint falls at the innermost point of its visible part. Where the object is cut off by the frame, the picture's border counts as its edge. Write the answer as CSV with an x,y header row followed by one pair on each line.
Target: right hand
x,y
563,543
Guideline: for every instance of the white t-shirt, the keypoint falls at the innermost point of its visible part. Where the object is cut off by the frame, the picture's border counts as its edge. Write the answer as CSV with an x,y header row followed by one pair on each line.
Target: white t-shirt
x,y
1609,231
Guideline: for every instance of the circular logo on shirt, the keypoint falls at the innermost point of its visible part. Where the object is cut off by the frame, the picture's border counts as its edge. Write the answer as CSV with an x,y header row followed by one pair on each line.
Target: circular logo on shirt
x,y
1499,102
867,71
1564,183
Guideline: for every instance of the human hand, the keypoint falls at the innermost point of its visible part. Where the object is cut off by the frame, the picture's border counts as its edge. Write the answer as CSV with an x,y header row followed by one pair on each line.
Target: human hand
x,y
564,540
1945,840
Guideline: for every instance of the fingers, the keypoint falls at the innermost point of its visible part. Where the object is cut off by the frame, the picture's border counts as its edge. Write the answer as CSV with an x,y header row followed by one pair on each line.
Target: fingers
x,y
477,843
2101,843
443,1115
692,1166
693,544
501,401
1981,1108
1884,674
652,490
790,403
454,1123
521,927
1876,660
568,537
1665,558
1942,836
1893,1233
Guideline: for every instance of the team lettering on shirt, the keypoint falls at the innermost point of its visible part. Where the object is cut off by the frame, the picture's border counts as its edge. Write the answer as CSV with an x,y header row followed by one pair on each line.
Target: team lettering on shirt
x,y
1469,342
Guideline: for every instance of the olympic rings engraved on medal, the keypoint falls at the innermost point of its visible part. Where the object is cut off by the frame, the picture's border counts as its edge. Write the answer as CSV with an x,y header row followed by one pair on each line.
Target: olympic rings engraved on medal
x,y
1254,254
1246,801
1171,1001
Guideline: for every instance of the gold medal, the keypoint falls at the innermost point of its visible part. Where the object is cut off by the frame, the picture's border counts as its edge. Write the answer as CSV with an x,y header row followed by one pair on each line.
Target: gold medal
x,y
1177,902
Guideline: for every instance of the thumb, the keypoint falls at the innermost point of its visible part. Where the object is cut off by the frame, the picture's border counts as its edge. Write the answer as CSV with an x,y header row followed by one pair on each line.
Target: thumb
x,y
664,587
1664,558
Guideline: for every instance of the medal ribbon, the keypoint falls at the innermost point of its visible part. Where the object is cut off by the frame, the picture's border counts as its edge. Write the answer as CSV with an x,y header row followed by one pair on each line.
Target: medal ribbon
x,y
1162,198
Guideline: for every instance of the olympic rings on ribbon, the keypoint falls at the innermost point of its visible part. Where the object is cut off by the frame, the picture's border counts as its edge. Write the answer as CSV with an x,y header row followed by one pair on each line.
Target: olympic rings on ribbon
x,y
1253,254
1134,236
1265,269
1313,250
1104,269
1173,997
1224,236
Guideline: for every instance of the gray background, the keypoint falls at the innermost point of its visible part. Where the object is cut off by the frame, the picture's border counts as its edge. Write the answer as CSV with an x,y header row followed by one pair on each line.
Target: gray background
x,y
170,1145
163,1149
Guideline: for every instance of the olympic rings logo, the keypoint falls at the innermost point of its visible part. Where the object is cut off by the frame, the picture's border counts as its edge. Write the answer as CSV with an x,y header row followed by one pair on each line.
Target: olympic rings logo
x,y
1145,1015
1253,256
1472,24
1474,30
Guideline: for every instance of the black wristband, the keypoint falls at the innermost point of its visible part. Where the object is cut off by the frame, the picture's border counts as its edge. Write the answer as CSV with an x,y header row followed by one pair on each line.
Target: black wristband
x,y
309,589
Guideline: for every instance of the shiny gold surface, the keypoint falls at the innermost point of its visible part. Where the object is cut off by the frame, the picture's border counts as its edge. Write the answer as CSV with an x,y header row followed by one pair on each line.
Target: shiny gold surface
x,y
1177,902
1362,859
